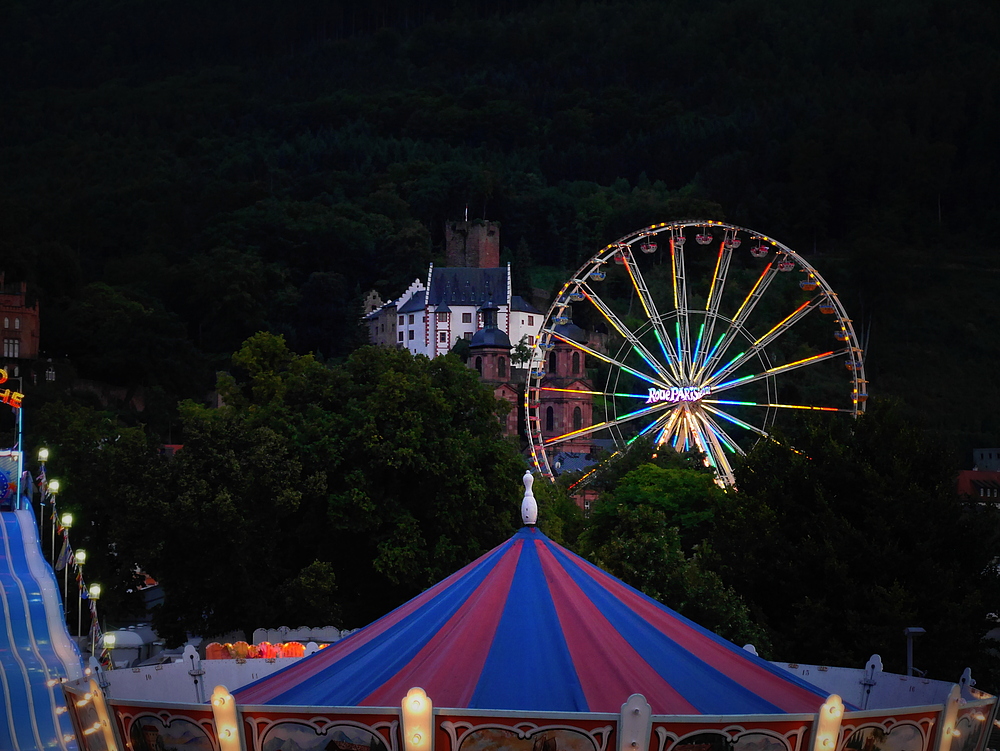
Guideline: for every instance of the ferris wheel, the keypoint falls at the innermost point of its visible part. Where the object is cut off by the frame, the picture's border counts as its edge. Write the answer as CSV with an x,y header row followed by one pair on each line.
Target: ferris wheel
x,y
700,334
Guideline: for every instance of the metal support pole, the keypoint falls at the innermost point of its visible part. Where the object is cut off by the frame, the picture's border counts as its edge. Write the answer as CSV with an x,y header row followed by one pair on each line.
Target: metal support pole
x,y
79,610
20,451
909,633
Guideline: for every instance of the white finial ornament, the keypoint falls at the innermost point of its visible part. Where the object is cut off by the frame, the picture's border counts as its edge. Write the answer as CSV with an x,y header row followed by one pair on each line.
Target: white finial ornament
x,y
529,506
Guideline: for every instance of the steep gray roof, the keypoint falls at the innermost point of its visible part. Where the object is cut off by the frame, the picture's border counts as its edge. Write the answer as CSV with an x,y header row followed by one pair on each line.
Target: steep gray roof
x,y
521,305
462,286
414,304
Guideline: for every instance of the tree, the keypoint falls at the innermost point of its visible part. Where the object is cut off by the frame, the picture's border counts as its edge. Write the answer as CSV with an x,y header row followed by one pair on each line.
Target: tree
x,y
842,546
649,529
112,479
637,544
330,494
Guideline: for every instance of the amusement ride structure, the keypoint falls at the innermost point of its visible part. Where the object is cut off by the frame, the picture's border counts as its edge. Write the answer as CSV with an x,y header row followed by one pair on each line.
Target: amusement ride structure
x,y
710,330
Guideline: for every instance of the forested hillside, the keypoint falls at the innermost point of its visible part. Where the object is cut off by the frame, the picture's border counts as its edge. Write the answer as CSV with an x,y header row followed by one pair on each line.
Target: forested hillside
x,y
175,176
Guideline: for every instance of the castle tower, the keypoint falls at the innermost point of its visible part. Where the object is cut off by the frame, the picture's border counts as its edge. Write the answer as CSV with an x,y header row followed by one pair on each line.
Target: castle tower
x,y
474,244
570,408
489,354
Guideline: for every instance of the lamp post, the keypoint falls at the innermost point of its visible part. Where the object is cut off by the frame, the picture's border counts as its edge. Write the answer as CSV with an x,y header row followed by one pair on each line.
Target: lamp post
x,y
109,644
66,521
52,489
80,557
43,456
95,594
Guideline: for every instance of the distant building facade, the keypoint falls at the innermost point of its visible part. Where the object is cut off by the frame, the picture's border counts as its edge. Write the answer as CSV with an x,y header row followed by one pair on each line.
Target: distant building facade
x,y
20,330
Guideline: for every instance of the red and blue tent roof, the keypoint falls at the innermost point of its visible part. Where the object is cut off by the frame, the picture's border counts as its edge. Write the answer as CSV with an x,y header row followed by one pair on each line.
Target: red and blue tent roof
x,y
532,626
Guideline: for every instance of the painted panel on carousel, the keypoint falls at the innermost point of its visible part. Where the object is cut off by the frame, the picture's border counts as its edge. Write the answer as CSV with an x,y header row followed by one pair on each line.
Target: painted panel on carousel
x,y
166,731
312,736
740,740
903,736
476,736
765,734
972,725
311,731
150,733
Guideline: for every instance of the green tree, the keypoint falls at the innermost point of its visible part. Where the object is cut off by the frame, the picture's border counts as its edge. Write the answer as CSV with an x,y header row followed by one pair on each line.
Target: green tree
x,y
841,547
359,484
638,544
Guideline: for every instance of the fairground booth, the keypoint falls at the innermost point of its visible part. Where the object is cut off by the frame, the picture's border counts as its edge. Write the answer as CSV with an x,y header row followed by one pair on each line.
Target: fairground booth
x,y
528,648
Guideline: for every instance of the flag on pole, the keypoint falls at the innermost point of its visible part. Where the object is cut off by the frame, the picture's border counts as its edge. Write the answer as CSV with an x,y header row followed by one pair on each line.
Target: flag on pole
x,y
65,555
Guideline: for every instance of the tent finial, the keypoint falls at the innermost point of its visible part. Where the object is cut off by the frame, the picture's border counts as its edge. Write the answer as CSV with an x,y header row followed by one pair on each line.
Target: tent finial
x,y
529,506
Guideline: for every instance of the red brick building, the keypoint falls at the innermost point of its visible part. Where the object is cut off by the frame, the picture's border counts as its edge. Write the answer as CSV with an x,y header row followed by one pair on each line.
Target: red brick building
x,y
20,328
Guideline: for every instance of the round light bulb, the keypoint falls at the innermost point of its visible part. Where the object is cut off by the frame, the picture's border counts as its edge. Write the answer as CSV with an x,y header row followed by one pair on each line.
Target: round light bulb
x,y
416,739
53,486
43,454
415,705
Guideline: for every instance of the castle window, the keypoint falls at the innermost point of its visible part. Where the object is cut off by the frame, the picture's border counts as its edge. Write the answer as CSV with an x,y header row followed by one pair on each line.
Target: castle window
x,y
502,367
550,418
411,334
400,336
576,363
479,365
442,318
411,319
401,320
6,323
17,323
466,317
577,418
443,337
11,347
467,335
50,373
552,363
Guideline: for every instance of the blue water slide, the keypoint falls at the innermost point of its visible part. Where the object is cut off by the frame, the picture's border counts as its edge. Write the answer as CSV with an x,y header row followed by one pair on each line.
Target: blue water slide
x,y
36,651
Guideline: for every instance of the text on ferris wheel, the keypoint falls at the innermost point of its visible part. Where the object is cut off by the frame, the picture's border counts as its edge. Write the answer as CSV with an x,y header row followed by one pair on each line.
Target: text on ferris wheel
x,y
677,394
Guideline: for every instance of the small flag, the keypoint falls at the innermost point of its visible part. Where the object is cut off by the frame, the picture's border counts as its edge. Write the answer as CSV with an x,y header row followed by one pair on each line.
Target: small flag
x,y
65,556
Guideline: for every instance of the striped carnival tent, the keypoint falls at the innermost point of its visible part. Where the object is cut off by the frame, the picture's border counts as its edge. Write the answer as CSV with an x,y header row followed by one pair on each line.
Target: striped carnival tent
x,y
532,626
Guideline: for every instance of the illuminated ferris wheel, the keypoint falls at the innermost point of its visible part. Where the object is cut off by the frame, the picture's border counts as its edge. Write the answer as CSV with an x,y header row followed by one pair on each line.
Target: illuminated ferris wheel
x,y
702,333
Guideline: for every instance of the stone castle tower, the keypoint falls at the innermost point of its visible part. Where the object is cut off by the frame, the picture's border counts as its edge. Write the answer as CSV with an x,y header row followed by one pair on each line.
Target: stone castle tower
x,y
474,245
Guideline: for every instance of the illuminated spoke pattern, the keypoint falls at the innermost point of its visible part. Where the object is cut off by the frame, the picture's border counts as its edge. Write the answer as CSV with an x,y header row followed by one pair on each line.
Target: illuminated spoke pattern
x,y
701,333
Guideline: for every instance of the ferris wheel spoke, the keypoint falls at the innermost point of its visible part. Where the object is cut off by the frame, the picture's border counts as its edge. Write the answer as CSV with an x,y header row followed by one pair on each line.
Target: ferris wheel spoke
x,y
714,298
777,330
670,353
724,438
606,424
682,325
771,405
610,360
777,370
744,311
737,421
669,428
594,393
715,438
622,329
